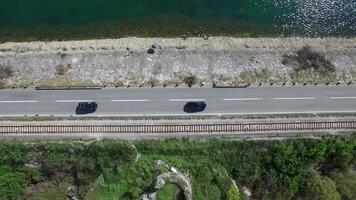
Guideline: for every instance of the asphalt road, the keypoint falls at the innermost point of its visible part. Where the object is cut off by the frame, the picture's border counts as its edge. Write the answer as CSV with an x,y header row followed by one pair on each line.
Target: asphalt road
x,y
157,101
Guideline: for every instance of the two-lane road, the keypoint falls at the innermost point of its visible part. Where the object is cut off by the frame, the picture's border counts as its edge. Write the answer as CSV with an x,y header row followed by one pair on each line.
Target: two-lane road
x,y
145,101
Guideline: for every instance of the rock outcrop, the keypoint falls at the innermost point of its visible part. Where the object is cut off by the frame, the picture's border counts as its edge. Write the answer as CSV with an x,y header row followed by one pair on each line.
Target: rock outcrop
x,y
173,176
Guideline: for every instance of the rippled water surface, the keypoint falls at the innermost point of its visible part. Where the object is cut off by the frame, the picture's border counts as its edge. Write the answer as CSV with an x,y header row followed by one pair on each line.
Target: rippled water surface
x,y
315,16
66,19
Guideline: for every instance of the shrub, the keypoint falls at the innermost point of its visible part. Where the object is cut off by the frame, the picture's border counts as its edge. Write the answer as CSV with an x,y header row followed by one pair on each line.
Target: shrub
x,y
5,72
233,194
345,183
62,70
306,59
12,183
190,80
322,187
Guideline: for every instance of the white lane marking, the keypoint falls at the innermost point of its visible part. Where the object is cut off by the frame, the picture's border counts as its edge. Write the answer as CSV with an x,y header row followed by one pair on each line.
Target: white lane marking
x,y
130,100
186,99
294,98
342,97
244,99
29,101
72,101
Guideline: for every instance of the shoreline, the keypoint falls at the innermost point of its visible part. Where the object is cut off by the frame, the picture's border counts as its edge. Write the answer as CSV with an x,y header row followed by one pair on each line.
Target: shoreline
x,y
127,61
190,42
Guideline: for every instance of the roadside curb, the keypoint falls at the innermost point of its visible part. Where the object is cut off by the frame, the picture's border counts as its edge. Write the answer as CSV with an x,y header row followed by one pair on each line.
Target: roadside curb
x,y
68,88
236,86
201,85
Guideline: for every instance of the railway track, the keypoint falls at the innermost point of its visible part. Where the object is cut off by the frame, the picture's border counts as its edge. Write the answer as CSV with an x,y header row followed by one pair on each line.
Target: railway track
x,y
219,128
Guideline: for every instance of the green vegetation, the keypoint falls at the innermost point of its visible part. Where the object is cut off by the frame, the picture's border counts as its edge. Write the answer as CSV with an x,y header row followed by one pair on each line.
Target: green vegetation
x,y
190,80
170,192
53,167
321,187
288,169
345,183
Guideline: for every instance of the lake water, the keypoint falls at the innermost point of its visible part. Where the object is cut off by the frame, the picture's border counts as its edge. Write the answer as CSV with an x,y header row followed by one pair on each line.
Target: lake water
x,y
76,19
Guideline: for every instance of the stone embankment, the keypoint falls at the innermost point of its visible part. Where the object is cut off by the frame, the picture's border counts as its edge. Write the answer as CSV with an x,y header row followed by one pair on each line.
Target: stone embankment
x,y
134,61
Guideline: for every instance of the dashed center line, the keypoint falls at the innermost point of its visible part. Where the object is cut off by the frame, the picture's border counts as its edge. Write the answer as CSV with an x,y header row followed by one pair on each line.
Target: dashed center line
x,y
130,100
244,99
294,98
342,97
186,99
178,100
28,101
72,101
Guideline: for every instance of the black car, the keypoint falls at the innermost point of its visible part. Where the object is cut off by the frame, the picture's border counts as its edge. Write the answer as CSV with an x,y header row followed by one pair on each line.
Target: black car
x,y
192,107
86,108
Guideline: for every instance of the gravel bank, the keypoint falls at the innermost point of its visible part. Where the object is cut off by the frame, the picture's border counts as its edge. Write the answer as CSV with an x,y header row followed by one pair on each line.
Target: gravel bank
x,y
223,60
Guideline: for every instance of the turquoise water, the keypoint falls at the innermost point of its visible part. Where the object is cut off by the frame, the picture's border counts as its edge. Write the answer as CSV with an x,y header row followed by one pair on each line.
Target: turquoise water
x,y
75,19
78,11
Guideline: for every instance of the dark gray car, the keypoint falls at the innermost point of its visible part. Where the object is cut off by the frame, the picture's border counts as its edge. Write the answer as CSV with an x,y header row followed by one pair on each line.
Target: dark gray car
x,y
192,107
86,108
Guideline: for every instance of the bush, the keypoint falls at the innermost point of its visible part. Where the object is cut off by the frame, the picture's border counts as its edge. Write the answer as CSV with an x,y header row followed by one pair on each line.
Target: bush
x,y
345,183
5,72
190,80
12,183
306,59
233,194
62,70
321,188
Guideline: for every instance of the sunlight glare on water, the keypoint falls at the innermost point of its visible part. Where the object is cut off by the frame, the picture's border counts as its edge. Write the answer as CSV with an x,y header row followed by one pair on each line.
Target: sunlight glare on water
x,y
316,16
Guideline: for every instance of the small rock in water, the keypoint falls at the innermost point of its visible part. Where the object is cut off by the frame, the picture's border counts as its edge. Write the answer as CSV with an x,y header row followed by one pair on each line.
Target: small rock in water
x,y
155,46
150,51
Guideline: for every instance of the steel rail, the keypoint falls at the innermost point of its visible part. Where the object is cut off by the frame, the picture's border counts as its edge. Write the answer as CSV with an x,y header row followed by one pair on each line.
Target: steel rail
x,y
179,128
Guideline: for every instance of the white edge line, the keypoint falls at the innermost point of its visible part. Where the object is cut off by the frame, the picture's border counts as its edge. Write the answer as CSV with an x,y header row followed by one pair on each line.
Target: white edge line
x,y
186,99
244,99
72,101
220,114
130,100
30,101
294,98
165,114
342,97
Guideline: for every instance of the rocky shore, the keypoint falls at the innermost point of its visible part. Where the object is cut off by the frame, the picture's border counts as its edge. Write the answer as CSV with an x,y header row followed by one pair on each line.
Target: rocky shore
x,y
135,61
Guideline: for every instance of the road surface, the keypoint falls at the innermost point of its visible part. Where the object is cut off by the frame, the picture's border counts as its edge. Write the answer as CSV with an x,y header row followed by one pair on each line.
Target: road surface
x,y
170,101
